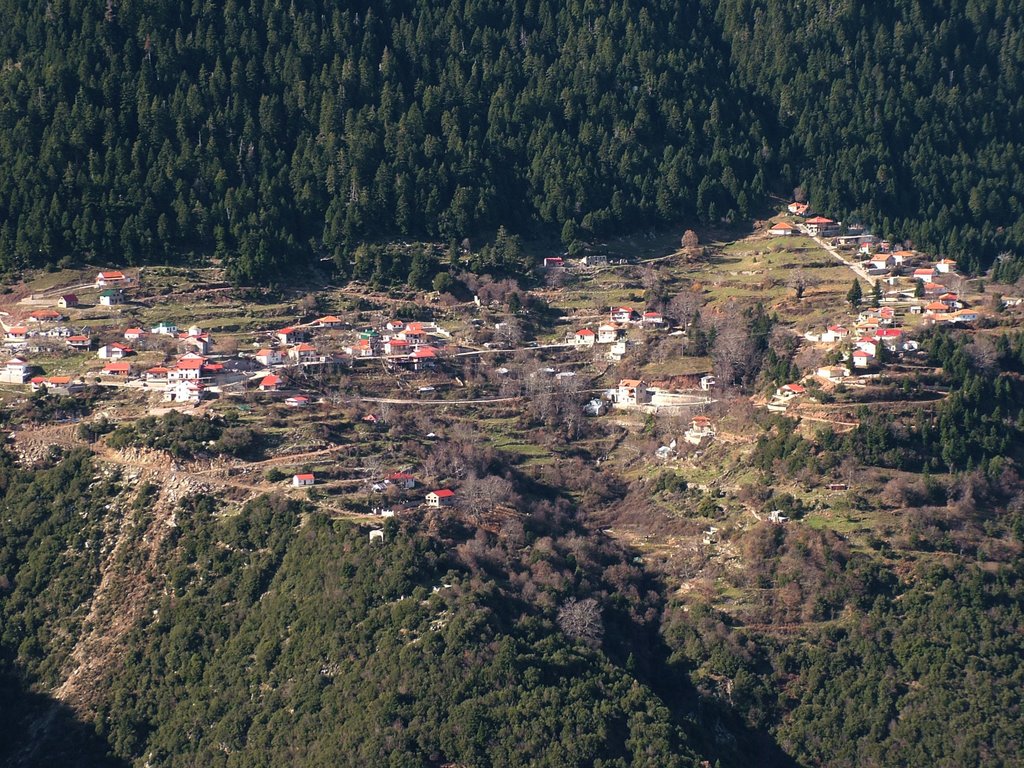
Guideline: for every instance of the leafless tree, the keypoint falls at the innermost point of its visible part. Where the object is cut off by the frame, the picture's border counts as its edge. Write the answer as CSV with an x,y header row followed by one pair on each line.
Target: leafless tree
x,y
581,620
983,352
685,304
689,240
733,351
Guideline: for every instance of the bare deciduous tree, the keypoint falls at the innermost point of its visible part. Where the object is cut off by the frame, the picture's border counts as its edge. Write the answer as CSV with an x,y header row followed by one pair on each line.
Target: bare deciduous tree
x,y
581,620
689,240
684,305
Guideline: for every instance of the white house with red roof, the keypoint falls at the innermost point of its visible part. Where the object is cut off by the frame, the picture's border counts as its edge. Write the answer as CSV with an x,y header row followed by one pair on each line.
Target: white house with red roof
x,y
892,338
134,334
111,277
402,480
270,383
819,225
327,321
789,391
16,334
834,333
945,266
303,479
414,333
923,273
79,341
651,317
867,344
623,315
861,358
584,337
443,497
45,316
298,401
189,367
799,209
396,346
782,229
288,335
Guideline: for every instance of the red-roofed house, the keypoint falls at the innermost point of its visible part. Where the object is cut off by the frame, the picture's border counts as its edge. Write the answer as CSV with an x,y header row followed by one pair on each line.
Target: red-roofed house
x,y
403,480
584,337
288,335
17,333
396,346
623,315
819,225
302,480
45,316
134,334
109,278
328,321
158,372
270,383
414,333
79,342
441,498
120,370
299,401
924,273
834,333
861,358
782,229
800,209
653,318
945,266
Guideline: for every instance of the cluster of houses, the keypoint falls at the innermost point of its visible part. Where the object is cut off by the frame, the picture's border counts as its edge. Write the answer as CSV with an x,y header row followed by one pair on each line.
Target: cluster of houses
x,y
616,329
405,345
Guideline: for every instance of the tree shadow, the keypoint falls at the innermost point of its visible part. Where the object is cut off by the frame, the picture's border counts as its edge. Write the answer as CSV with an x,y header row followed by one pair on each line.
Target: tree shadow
x,y
37,730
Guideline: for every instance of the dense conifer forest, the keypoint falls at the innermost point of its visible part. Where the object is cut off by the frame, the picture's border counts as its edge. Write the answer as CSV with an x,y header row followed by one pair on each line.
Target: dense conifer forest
x,y
271,133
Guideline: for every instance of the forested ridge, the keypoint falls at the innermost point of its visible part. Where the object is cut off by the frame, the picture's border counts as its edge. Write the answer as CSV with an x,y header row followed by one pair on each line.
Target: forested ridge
x,y
262,132
906,115
269,134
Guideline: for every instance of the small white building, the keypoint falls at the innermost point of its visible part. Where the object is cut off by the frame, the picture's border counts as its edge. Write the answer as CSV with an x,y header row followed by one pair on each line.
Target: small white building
x,y
301,481
782,229
584,337
443,497
609,333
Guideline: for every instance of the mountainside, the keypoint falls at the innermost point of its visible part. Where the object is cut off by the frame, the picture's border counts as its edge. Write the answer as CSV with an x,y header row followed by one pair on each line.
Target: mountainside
x,y
261,132
906,115
265,133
